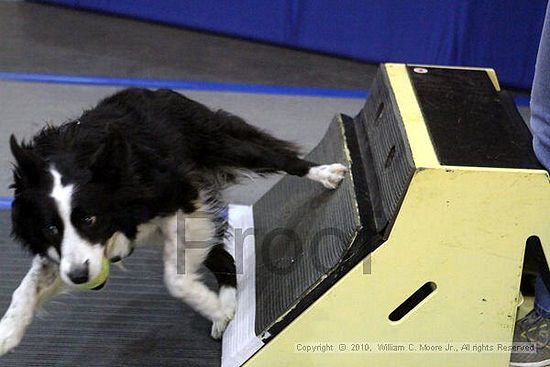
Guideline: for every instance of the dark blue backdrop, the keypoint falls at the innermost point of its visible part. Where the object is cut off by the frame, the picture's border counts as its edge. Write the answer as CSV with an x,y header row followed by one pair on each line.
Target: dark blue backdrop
x,y
502,34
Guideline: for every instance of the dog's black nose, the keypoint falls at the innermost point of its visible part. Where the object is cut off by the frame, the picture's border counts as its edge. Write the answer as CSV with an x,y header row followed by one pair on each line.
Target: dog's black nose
x,y
79,275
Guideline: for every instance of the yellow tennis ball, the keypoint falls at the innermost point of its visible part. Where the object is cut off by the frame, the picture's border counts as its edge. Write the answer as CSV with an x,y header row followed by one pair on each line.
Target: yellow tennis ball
x,y
101,277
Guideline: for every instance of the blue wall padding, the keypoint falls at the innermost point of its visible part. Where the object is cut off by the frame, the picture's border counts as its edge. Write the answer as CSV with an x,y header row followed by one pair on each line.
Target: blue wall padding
x,y
502,34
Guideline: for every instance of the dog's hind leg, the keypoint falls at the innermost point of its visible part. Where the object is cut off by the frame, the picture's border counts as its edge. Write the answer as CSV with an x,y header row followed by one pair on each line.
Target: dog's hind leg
x,y
240,145
222,265
188,242
330,175
265,158
219,261
41,283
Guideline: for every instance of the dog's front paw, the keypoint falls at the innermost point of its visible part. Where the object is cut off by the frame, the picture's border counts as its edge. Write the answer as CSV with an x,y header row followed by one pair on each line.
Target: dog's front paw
x,y
228,300
330,175
118,247
218,327
10,335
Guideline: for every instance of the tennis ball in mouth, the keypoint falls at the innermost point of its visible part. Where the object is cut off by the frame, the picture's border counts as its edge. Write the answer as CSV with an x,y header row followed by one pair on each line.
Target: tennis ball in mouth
x,y
101,278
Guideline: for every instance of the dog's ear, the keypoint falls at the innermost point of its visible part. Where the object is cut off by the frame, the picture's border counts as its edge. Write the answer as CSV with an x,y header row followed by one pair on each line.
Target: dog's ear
x,y
28,169
110,163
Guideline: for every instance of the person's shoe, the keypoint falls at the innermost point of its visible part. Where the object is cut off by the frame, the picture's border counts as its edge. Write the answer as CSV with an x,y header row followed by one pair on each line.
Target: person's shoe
x,y
533,328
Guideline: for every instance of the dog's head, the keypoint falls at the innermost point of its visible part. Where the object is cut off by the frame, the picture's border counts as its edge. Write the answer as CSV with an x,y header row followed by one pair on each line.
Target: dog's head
x,y
63,209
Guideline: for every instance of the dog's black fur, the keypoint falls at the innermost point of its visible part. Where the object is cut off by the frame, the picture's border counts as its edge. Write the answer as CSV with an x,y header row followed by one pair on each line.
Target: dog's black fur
x,y
137,155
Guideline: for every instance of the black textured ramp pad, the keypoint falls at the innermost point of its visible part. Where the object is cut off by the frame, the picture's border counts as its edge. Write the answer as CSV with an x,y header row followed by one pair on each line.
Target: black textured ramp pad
x,y
302,231
386,151
131,322
470,123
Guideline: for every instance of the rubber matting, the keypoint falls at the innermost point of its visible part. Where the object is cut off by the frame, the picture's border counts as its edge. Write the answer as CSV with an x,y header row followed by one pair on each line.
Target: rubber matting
x,y
133,321
302,230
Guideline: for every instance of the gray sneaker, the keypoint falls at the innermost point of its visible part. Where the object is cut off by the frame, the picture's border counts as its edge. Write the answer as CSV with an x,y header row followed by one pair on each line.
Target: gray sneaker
x,y
532,329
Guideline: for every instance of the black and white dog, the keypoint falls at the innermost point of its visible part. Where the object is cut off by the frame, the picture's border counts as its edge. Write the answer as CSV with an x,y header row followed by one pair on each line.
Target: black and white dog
x,y
140,162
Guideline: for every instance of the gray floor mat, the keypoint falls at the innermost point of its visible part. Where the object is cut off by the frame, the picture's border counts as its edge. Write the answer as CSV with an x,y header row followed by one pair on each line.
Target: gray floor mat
x,y
131,322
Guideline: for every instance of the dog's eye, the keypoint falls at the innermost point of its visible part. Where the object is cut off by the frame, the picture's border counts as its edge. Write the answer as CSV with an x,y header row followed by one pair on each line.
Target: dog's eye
x,y
90,221
52,232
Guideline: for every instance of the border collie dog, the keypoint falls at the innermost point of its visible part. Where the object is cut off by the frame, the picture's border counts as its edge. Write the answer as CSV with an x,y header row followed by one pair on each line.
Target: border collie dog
x,y
139,162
